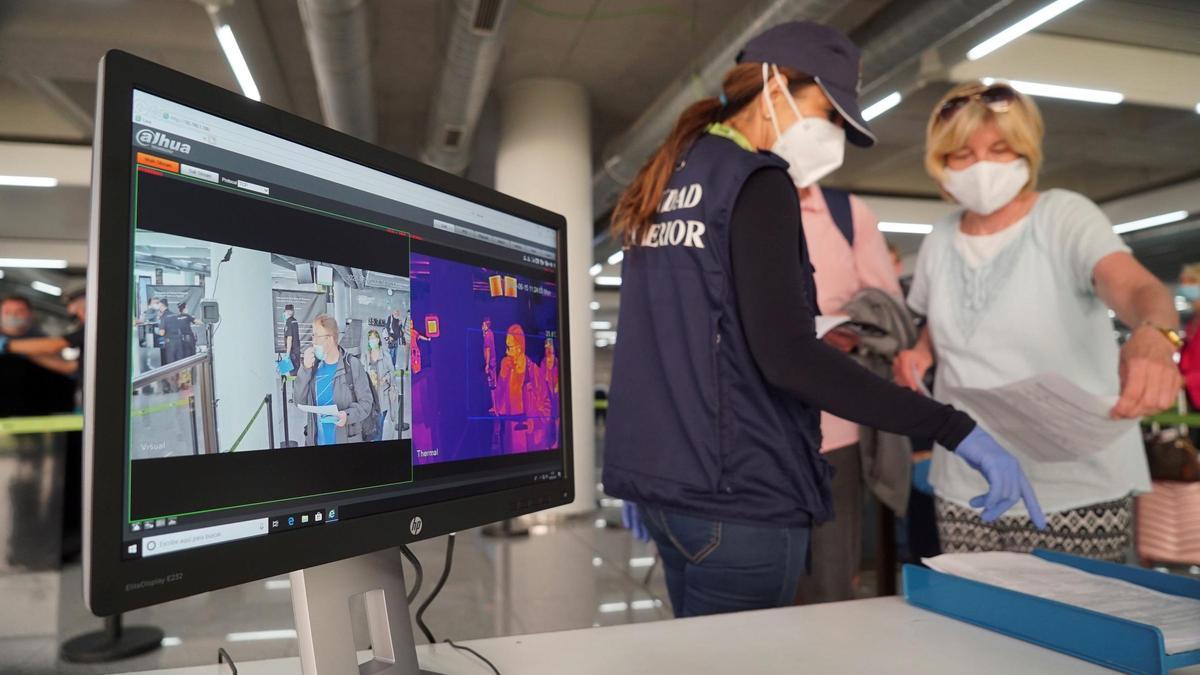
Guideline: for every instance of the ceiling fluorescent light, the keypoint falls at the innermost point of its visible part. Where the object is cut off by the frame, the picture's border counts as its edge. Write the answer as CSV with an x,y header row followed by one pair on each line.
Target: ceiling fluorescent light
x,y
237,62
594,305
1152,221
1020,28
616,258
608,281
34,263
1060,91
596,269
28,181
905,228
601,325
881,106
48,289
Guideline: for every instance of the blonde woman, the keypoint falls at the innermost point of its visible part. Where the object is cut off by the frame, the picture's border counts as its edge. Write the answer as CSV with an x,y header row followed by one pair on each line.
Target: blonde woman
x,y
1019,283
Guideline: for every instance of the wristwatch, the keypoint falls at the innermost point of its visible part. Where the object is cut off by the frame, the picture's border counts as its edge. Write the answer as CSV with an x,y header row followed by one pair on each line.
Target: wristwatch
x,y
1173,336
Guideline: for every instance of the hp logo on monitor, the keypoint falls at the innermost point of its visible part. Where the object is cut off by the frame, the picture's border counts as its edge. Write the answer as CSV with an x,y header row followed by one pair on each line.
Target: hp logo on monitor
x,y
415,526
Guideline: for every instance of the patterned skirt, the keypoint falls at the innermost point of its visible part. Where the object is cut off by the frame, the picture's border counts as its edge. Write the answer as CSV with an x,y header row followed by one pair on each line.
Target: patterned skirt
x,y
1100,531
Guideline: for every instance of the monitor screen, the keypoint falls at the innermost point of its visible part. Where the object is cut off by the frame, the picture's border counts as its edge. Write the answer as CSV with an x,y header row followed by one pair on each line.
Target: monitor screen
x,y
314,341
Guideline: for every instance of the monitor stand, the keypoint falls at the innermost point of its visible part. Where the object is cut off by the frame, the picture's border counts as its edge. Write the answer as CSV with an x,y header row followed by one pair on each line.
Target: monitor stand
x,y
321,603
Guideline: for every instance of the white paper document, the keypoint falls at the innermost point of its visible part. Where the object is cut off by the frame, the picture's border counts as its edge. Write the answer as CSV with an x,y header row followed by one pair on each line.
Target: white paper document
x,y
319,409
1177,617
1047,417
828,323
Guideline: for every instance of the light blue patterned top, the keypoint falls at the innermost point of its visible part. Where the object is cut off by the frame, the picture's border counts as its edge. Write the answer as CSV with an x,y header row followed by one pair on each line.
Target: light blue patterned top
x,y
1031,309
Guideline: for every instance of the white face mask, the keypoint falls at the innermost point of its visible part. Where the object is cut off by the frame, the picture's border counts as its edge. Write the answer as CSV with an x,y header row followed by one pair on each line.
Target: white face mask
x,y
813,147
986,186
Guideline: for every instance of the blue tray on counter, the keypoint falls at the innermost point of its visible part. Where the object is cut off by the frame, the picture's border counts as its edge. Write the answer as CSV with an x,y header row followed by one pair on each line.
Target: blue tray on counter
x,y
1107,640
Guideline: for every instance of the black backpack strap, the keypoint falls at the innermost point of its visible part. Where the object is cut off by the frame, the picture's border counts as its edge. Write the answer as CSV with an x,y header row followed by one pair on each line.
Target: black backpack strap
x,y
838,203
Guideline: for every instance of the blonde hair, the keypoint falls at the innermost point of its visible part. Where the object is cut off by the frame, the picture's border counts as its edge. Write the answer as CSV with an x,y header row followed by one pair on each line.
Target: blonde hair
x,y
1020,125
1191,271
328,323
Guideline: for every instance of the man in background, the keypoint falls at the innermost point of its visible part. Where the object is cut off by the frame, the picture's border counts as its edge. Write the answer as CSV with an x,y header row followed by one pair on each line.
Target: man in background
x,y
291,336
38,378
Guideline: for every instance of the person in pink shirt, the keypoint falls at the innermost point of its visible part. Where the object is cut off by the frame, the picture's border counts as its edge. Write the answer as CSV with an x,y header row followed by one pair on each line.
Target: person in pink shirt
x,y
847,256
1189,358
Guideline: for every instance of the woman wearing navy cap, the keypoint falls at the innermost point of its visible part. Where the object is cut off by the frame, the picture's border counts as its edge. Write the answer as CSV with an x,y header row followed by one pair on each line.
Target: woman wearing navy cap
x,y
718,379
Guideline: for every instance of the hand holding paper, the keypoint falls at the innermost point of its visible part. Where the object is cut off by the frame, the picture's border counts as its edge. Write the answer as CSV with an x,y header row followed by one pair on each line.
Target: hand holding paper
x,y
1047,418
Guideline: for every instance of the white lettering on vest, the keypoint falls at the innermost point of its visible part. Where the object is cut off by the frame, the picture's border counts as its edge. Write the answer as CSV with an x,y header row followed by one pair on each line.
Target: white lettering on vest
x,y
681,198
689,234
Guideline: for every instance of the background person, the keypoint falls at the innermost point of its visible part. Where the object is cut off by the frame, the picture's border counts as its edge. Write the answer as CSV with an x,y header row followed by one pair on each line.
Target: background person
x,y
848,254
718,378
1018,284
328,376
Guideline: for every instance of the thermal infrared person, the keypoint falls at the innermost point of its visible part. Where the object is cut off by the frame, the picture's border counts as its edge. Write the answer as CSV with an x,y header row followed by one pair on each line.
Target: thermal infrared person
x,y
521,396
719,379
489,361
328,376
1019,283
550,377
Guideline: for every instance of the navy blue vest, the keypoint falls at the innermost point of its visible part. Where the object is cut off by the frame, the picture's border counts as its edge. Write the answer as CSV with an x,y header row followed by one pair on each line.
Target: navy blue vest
x,y
692,425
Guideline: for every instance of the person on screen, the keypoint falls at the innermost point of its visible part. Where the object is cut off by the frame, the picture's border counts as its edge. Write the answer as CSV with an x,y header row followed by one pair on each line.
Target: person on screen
x,y
395,331
382,374
328,376
179,341
291,336
521,396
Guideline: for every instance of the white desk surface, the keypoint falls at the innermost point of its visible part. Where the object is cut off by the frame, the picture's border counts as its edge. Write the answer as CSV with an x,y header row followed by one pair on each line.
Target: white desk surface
x,y
882,635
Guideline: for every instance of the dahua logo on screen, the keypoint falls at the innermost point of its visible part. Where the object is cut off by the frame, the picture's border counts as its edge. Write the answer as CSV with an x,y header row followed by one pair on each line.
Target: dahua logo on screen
x,y
415,526
157,139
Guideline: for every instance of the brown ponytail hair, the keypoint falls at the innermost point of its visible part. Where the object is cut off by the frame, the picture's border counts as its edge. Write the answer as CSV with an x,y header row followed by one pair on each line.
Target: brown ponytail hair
x,y
742,86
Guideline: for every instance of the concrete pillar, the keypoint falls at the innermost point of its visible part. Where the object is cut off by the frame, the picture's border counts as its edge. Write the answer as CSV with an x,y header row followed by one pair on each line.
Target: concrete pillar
x,y
545,157
244,347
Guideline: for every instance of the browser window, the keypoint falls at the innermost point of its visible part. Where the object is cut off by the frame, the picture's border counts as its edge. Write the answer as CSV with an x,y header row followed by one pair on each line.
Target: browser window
x,y
316,340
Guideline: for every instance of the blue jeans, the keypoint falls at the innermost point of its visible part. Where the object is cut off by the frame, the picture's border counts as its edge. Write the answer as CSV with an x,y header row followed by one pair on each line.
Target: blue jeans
x,y
714,567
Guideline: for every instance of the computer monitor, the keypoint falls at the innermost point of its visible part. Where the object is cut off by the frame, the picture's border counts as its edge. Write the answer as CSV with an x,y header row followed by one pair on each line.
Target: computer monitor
x,y
247,438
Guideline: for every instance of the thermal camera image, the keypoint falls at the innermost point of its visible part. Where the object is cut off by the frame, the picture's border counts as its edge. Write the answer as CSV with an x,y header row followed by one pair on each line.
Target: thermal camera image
x,y
484,362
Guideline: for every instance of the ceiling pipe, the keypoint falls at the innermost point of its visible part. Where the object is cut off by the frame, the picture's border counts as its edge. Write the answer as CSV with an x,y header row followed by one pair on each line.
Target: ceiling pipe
x,y
476,38
897,46
336,31
624,156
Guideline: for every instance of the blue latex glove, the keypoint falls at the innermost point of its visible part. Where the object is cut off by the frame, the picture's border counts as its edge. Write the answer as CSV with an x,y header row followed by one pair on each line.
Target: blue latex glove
x,y
632,521
3,343
284,366
1006,481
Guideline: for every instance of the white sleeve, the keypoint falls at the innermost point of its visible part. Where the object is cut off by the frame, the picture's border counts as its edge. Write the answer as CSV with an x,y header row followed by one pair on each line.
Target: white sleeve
x,y
918,293
1083,235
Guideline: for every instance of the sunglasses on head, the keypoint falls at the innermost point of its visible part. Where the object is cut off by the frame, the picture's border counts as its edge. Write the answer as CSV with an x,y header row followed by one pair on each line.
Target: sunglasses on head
x,y
998,98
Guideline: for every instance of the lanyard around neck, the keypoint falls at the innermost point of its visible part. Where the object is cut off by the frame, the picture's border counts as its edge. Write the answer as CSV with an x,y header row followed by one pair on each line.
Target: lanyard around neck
x,y
726,131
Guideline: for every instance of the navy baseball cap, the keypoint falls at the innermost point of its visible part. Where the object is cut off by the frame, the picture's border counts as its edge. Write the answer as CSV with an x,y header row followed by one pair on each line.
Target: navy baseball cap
x,y
824,53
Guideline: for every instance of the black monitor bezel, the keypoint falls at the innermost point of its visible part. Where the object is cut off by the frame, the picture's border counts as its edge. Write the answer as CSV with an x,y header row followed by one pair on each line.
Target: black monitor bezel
x,y
113,585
